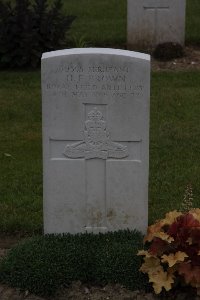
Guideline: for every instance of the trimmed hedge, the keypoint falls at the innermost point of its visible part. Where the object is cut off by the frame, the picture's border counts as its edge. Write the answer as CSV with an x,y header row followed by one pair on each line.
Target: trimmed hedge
x,y
43,264
168,51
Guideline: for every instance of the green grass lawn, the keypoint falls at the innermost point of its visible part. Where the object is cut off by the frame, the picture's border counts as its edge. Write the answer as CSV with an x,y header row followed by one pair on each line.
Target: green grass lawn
x,y
20,135
103,22
174,140
174,146
99,23
193,22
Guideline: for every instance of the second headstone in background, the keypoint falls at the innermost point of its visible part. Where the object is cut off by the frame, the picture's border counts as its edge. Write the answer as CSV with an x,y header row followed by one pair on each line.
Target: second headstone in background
x,y
153,22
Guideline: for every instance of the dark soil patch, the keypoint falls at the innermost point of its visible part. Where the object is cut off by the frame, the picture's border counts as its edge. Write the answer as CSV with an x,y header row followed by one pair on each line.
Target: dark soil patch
x,y
112,292
189,62
8,241
77,291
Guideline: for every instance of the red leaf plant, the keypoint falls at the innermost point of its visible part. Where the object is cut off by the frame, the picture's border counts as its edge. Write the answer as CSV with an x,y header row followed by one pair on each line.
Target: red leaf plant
x,y
174,250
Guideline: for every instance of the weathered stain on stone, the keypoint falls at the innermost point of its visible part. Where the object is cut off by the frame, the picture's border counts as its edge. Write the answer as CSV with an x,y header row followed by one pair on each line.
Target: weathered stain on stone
x,y
95,216
111,214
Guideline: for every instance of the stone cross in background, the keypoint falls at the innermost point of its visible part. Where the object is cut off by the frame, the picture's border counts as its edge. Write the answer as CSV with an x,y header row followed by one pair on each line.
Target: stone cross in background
x,y
156,11
95,140
151,22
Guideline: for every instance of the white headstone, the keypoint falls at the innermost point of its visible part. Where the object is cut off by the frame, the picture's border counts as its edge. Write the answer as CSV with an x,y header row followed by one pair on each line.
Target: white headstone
x,y
95,140
152,22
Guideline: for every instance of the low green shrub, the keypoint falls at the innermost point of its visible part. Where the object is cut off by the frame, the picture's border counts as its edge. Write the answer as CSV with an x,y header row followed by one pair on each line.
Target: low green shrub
x,y
29,28
43,264
168,51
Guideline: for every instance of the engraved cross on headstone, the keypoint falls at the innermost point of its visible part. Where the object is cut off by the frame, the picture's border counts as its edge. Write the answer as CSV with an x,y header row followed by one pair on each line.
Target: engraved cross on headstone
x,y
156,9
96,148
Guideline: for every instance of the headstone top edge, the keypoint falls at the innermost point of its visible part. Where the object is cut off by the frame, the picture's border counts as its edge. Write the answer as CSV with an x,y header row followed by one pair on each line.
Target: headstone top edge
x,y
109,51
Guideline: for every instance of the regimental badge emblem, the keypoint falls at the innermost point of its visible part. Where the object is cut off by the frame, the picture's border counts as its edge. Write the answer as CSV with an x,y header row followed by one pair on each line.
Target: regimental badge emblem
x,y
97,142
